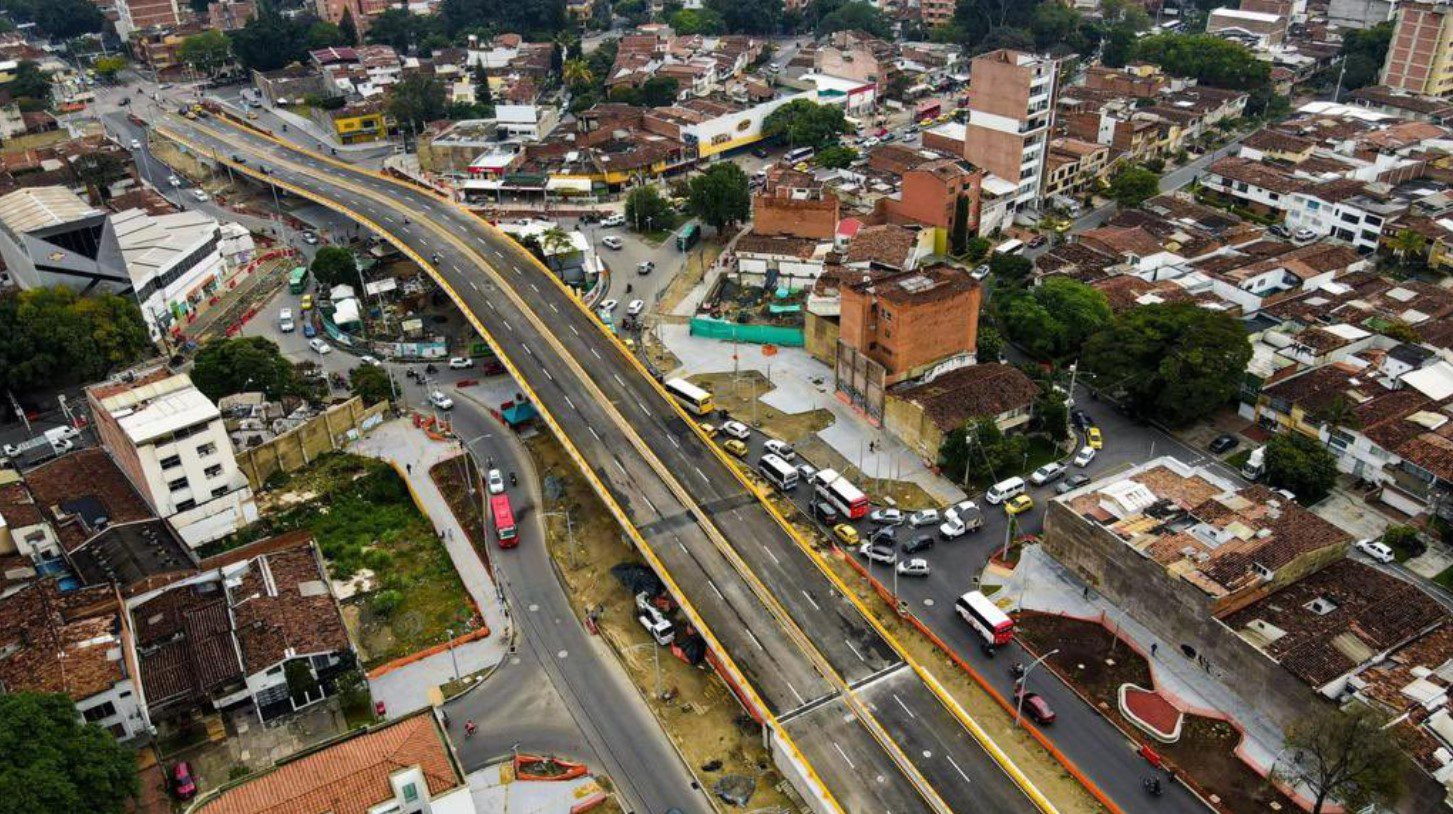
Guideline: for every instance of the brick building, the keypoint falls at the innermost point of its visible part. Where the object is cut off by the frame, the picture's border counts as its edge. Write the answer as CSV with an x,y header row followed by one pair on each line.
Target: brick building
x,y
1420,58
138,15
1011,104
1139,79
792,204
911,323
944,193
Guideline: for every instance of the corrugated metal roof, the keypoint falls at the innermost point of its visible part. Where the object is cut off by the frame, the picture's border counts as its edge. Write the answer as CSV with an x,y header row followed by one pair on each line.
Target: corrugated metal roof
x,y
27,210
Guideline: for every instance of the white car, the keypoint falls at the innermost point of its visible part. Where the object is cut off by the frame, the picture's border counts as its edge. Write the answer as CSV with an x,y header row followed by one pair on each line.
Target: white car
x,y
784,450
173,180
1303,236
958,509
612,242
136,144
320,347
443,402
635,308
310,238
495,481
460,363
608,305
372,361
887,517
199,195
1047,473
645,267
285,320
913,568
923,517
877,552
737,430
1084,456
1374,549
953,528
614,220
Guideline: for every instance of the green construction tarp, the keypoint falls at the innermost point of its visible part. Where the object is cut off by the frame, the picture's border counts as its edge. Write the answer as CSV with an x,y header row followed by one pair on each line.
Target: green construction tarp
x,y
753,334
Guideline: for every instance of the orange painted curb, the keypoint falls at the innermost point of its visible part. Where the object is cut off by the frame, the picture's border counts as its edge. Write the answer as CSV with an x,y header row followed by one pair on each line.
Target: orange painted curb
x,y
418,655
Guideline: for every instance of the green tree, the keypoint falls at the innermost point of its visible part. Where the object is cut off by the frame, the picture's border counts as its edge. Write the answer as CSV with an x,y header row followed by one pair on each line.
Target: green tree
x,y
1133,185
54,336
1206,58
243,364
323,34
1054,24
1010,269
835,157
1347,755
748,16
56,763
370,383
334,265
980,453
805,123
57,19
108,67
659,91
416,99
855,15
395,27
1056,317
535,19
270,41
206,52
576,73
689,21
348,27
719,196
30,82
974,20
1407,242
1051,416
1365,50
647,209
98,171
990,344
1300,464
1174,362
482,95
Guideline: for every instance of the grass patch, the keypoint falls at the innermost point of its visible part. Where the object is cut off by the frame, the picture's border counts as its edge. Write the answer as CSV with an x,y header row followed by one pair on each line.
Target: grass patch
x,y
1239,459
368,527
1445,578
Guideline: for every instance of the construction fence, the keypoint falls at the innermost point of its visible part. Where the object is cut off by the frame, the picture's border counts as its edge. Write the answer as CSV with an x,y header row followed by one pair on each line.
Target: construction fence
x,y
296,448
753,334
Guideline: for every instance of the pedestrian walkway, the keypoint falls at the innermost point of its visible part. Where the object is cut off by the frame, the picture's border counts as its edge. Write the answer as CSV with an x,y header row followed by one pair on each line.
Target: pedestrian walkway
x,y
801,383
410,450
1041,583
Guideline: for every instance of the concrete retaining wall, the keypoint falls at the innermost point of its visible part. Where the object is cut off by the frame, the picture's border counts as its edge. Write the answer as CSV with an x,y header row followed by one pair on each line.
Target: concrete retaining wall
x,y
297,448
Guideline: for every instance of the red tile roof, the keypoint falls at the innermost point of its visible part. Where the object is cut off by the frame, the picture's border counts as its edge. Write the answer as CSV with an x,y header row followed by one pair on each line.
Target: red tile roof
x,y
60,642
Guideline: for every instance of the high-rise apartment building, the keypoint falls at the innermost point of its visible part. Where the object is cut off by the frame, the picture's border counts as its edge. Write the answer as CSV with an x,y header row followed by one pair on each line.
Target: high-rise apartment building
x,y
1420,58
138,15
1011,104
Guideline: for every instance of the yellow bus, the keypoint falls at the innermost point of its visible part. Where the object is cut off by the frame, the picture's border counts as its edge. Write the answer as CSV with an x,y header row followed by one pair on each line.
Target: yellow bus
x,y
693,398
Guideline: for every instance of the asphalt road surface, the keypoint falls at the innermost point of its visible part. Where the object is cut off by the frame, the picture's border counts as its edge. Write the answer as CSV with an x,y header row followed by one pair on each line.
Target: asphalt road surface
x,y
769,607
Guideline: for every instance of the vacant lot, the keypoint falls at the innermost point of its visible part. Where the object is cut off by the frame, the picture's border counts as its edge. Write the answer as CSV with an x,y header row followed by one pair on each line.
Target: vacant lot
x,y
374,538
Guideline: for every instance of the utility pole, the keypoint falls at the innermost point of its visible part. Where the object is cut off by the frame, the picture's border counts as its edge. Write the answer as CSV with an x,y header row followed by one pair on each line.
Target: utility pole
x,y
1022,685
19,411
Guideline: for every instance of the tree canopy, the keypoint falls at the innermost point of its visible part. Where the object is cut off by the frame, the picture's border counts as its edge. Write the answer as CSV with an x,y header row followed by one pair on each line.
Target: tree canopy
x,y
835,157
108,67
689,21
647,209
1206,58
1365,50
1345,755
333,265
243,364
1174,362
1133,185
56,763
1301,465
854,15
535,19
749,16
1054,319
53,337
416,99
657,91
719,196
57,19
405,31
805,123
206,52
30,82
980,453
270,41
371,383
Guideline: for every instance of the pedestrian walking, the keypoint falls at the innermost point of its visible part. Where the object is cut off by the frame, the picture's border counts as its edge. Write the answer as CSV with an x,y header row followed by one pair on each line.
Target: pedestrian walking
x,y
409,468
1153,647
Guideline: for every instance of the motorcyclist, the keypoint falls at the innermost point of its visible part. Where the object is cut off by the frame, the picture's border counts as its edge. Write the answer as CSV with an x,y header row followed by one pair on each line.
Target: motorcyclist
x,y
513,480
469,727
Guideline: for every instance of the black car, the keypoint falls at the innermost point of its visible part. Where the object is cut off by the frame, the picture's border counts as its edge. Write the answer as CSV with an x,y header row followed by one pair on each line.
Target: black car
x,y
883,536
918,544
1223,444
1071,483
1082,420
1279,230
761,152
825,512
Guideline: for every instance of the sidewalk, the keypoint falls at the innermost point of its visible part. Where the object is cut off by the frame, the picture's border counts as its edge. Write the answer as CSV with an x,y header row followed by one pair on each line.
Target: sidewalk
x,y
1041,583
800,384
410,450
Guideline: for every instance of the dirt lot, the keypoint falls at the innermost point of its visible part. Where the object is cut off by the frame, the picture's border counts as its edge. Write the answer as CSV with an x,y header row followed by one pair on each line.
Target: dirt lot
x,y
697,261
702,717
1205,752
741,394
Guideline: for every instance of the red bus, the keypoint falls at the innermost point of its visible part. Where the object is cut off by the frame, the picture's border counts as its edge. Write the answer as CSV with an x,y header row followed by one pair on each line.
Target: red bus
x,y
993,625
845,497
930,109
504,521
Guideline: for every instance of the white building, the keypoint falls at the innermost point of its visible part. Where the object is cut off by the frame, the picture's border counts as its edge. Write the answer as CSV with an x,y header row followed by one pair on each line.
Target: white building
x,y
174,262
49,236
170,441
1347,210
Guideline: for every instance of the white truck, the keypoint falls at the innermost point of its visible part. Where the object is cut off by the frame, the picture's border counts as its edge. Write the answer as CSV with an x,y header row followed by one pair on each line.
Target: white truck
x,y
1255,465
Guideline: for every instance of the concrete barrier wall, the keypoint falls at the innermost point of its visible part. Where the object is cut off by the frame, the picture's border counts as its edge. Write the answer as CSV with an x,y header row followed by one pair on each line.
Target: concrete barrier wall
x,y
298,447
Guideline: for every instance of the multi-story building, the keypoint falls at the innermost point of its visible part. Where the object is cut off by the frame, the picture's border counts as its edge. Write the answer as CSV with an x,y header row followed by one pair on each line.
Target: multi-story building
x,y
1420,58
912,323
1011,104
1345,209
170,441
1257,29
50,236
937,12
1073,165
137,15
174,262
230,15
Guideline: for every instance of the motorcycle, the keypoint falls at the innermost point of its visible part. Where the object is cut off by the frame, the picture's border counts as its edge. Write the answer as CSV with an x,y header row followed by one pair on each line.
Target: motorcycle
x,y
1152,785
430,369
1016,671
513,480
987,649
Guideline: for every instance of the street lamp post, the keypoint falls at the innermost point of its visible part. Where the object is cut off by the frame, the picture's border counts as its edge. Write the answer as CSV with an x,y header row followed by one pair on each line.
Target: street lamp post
x,y
449,640
656,657
569,532
1023,684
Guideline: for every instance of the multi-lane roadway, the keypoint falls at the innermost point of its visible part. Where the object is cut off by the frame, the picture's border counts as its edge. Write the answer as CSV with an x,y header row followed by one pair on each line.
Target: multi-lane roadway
x,y
875,734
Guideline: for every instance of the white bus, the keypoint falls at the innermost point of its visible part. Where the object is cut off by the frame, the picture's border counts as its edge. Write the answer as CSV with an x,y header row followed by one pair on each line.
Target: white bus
x,y
799,154
782,474
844,497
993,625
693,398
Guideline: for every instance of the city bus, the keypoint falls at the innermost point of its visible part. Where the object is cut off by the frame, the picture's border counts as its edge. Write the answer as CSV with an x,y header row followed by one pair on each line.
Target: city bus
x,y
797,155
298,280
993,625
504,521
687,236
844,497
782,474
693,398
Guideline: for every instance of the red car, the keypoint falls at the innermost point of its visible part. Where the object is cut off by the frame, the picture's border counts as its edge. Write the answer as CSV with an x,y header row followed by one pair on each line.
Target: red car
x,y
1038,709
183,786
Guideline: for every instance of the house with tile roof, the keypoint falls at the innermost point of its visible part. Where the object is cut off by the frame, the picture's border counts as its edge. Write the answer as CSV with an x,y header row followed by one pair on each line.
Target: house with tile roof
x,y
921,415
406,765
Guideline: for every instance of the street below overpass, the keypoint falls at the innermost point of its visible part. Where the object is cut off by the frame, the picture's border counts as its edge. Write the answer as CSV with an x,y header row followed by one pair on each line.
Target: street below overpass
x,y
874,732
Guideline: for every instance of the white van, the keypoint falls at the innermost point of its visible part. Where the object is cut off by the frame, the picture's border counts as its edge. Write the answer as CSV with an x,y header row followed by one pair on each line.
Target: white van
x,y
1004,489
824,477
781,449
